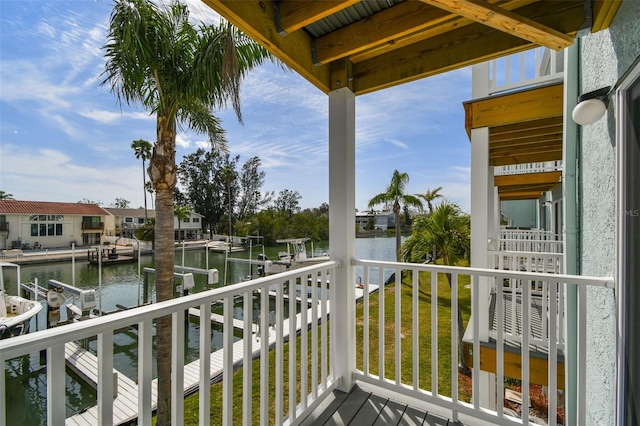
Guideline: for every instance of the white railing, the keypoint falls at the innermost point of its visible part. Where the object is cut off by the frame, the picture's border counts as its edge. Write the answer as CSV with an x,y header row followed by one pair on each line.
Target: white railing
x,y
430,374
309,369
519,169
534,240
544,261
417,318
529,68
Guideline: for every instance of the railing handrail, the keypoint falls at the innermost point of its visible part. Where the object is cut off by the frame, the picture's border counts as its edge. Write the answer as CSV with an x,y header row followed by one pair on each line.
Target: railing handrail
x,y
32,342
580,280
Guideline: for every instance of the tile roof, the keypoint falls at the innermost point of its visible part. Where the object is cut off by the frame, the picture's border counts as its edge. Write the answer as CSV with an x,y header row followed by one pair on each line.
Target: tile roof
x,y
47,207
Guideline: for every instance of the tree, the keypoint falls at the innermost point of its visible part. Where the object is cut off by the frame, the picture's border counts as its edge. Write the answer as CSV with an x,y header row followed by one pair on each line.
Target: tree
x,y
228,175
142,150
181,213
200,177
447,230
88,201
251,182
430,196
121,203
157,59
6,196
288,201
394,196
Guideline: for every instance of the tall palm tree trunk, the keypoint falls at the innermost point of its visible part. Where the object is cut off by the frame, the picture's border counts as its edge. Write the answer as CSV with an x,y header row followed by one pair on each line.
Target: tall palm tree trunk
x,y
163,174
144,189
398,239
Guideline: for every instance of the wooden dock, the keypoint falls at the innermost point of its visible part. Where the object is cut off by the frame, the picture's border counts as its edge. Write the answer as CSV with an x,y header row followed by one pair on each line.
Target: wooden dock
x,y
125,404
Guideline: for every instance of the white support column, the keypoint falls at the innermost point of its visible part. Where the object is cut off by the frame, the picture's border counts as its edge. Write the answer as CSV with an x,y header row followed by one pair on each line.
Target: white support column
x,y
483,233
342,229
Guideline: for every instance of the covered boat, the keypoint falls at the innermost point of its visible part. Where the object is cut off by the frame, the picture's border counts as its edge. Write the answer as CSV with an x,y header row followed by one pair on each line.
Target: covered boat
x,y
15,311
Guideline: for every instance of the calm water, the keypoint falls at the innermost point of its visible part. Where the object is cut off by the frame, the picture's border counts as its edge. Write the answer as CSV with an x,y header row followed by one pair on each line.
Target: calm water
x,y
121,285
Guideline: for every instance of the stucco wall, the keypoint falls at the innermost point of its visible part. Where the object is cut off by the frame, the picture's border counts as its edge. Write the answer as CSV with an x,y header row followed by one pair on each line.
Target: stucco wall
x,y
605,57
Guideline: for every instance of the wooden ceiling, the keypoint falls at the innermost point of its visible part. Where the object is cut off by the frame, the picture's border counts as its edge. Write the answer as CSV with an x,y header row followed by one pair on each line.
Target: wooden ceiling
x,y
372,44
524,127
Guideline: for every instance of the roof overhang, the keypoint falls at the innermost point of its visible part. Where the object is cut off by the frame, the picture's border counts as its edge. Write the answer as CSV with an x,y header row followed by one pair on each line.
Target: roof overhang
x,y
370,45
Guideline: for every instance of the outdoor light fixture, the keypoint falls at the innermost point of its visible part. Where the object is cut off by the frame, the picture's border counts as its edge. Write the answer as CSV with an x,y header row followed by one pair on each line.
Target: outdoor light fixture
x,y
591,106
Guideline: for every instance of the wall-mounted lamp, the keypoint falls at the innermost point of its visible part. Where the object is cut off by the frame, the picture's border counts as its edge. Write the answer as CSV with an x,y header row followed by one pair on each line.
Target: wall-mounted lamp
x,y
591,106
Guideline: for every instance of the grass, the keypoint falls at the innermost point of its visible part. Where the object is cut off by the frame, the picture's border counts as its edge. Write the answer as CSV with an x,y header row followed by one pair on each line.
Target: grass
x,y
406,371
444,367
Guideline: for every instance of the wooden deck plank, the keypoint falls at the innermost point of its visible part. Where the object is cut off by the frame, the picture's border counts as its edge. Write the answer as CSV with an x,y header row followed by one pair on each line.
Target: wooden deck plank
x,y
326,409
349,408
370,410
412,417
390,414
435,420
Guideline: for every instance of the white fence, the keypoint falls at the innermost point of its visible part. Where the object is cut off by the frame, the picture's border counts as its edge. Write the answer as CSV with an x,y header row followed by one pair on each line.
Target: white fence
x,y
309,285
425,294
529,68
393,322
519,169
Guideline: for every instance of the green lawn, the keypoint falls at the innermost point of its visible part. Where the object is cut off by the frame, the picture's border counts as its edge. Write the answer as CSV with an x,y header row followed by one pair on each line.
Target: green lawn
x,y
406,331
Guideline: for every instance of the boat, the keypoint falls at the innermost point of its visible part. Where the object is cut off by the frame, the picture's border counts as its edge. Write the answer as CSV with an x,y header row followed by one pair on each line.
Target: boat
x,y
15,311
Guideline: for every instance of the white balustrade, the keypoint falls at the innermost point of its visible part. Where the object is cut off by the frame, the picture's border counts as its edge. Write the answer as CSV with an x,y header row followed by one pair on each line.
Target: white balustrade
x,y
309,286
314,377
532,67
424,280
519,169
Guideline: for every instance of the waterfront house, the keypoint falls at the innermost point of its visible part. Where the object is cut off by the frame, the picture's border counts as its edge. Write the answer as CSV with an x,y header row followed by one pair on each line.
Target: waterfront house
x,y
126,221
381,220
42,224
347,48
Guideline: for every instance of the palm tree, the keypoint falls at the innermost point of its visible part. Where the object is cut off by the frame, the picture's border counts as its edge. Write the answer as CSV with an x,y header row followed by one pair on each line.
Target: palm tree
x,y
181,213
5,196
393,196
430,196
447,230
142,150
180,73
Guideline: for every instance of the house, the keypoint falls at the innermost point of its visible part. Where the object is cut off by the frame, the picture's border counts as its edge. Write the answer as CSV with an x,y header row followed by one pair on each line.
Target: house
x,y
348,48
381,220
126,221
40,224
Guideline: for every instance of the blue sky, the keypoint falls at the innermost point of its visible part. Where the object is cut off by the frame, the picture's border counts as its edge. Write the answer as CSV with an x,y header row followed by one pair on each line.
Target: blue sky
x,y
64,138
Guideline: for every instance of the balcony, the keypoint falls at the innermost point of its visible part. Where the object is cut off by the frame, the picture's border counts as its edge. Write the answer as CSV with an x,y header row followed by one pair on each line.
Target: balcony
x,y
4,226
92,226
406,346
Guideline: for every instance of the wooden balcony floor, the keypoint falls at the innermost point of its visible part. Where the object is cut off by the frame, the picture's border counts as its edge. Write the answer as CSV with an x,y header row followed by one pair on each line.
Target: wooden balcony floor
x,y
363,408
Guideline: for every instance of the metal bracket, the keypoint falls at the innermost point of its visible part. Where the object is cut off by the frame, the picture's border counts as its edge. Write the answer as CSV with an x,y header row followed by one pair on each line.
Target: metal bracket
x,y
587,24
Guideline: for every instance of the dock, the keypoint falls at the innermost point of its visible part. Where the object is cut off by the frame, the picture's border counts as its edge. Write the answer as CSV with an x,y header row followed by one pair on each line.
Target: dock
x,y
125,404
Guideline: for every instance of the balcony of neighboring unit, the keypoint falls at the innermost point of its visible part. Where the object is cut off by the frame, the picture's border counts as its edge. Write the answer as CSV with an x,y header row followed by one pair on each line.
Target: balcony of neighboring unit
x,y
4,227
91,227
527,181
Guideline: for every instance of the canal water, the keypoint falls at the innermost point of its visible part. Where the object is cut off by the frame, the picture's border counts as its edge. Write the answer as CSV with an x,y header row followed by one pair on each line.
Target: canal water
x,y
122,286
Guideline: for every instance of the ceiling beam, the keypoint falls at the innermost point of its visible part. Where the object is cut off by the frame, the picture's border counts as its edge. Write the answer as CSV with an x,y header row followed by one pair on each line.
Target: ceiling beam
x,y
527,179
524,195
387,26
506,21
603,13
256,18
455,49
533,104
542,126
294,15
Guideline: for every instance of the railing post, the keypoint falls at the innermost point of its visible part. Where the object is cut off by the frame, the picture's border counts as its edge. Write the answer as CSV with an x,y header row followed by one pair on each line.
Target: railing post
x,y
342,231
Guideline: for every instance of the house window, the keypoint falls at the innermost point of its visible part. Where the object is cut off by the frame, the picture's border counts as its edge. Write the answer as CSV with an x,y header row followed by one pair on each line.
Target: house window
x,y
186,220
196,220
628,236
45,227
141,221
128,220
